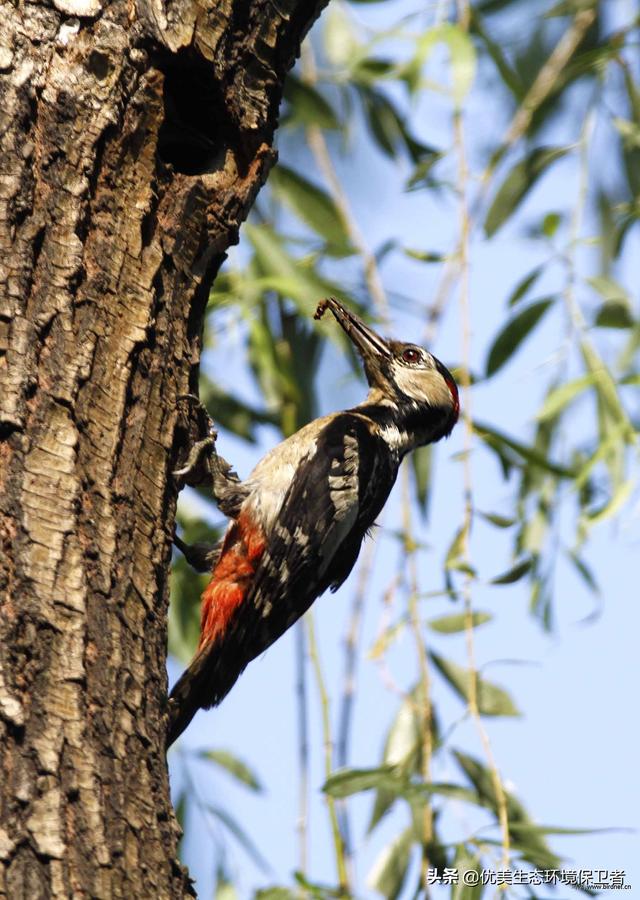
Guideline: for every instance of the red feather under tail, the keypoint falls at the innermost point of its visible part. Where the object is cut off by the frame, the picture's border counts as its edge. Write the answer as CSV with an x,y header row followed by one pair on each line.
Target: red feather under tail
x,y
241,552
210,676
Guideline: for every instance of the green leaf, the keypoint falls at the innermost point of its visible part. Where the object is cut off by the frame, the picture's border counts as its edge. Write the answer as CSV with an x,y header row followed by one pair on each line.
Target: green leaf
x,y
233,766
615,503
277,893
403,735
492,700
482,780
466,862
454,557
514,333
568,8
559,398
403,749
346,782
629,131
384,123
509,76
308,106
316,890
551,223
421,177
534,849
533,533
523,828
180,809
239,834
424,255
456,623
389,871
225,891
450,791
389,128
463,60
611,411
386,638
524,286
515,573
341,44
232,413
421,462
301,284
385,799
614,314
497,520
461,53
275,380
609,289
186,587
633,92
371,69
312,205
584,571
518,182
500,441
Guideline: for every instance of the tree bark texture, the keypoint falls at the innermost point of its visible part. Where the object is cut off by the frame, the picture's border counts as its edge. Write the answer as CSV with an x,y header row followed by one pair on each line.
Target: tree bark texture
x,y
134,136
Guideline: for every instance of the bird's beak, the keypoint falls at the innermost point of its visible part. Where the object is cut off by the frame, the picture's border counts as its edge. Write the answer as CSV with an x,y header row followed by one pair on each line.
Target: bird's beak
x,y
369,344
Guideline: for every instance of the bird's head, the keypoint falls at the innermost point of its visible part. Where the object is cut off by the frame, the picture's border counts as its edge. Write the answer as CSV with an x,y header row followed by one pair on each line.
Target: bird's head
x,y
399,374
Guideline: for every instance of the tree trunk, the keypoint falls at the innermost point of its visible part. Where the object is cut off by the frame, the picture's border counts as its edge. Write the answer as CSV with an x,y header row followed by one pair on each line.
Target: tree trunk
x,y
134,136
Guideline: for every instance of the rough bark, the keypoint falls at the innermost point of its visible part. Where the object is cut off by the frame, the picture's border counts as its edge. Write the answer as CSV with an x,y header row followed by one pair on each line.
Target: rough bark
x,y
134,136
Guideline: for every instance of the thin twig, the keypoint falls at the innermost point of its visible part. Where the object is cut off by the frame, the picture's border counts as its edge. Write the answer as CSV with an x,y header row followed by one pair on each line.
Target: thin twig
x,y
606,382
303,749
474,709
385,674
320,150
351,653
424,694
536,95
546,79
572,305
338,843
352,641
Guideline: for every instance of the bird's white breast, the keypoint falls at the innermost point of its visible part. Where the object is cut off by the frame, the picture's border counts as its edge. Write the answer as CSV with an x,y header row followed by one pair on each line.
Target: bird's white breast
x,y
269,482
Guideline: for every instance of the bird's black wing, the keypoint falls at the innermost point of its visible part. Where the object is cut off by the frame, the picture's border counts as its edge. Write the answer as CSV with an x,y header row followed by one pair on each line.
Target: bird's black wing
x,y
337,493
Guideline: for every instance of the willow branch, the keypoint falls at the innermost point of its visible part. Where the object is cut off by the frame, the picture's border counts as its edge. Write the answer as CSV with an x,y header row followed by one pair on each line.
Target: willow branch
x,y
319,148
338,843
473,704
539,91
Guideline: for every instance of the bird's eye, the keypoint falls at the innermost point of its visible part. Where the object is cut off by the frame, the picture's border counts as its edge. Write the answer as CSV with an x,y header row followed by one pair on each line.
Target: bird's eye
x,y
410,355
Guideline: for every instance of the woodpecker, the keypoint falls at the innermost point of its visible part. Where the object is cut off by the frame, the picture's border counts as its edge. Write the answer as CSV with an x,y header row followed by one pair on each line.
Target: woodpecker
x,y
299,519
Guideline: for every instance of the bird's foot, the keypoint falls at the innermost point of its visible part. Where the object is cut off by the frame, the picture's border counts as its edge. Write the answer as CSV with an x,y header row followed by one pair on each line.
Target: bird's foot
x,y
199,465
204,465
201,556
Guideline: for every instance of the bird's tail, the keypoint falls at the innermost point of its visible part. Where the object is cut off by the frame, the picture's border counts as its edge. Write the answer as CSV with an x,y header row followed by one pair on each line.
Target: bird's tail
x,y
205,683
218,661
183,705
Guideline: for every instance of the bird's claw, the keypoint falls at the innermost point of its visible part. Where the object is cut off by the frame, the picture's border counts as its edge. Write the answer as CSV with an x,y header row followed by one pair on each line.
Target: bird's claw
x,y
214,470
192,466
195,453
211,428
